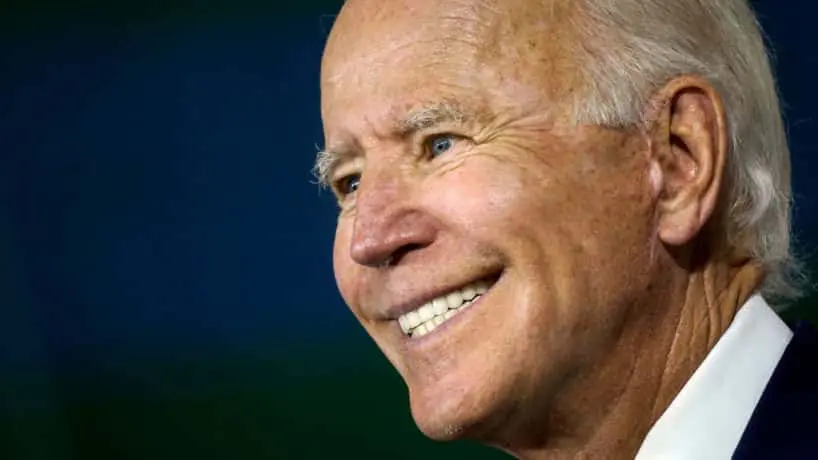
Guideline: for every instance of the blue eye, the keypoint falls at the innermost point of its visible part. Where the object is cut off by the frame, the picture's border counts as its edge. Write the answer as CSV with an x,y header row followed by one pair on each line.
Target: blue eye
x,y
441,144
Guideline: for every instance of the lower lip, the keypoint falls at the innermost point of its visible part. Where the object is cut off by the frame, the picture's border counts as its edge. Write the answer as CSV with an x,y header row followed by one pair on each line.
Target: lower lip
x,y
443,328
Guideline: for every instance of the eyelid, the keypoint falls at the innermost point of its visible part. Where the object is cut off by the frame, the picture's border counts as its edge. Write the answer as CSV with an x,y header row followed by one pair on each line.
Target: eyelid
x,y
339,183
341,173
428,138
345,168
442,130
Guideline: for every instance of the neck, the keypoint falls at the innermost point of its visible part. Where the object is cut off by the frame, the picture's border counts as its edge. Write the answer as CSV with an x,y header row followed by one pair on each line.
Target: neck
x,y
607,412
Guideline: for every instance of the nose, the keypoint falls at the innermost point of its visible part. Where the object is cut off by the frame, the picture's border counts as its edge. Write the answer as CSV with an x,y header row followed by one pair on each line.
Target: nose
x,y
388,224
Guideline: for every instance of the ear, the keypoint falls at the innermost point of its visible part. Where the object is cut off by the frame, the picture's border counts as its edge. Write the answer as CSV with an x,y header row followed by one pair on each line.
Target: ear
x,y
688,138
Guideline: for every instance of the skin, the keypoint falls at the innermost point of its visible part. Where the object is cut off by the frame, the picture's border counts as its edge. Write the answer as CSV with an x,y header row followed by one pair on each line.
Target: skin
x,y
612,285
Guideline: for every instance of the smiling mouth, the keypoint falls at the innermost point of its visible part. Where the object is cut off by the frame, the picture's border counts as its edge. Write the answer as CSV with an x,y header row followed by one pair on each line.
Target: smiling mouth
x,y
427,318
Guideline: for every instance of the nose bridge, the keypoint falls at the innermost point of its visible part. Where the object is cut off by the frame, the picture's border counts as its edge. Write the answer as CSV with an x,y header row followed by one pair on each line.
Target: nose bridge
x,y
386,220
380,199
379,195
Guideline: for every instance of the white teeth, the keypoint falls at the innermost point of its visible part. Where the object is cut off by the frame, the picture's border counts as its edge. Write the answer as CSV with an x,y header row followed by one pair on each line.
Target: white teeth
x,y
426,313
414,319
454,300
431,315
439,306
421,330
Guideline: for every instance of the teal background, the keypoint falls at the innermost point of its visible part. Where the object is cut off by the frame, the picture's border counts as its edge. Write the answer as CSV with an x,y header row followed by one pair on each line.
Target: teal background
x,y
166,285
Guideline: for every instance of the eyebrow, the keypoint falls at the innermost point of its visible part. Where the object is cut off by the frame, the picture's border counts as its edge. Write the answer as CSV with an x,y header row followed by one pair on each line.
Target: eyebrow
x,y
431,116
327,161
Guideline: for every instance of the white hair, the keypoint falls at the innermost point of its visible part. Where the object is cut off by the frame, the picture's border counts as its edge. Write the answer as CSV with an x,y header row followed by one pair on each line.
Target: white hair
x,y
627,49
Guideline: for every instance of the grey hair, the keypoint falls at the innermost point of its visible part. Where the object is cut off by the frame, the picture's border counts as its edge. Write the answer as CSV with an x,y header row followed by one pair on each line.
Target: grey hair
x,y
627,49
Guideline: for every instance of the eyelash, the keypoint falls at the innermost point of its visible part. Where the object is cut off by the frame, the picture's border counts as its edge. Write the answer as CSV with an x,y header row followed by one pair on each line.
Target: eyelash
x,y
339,186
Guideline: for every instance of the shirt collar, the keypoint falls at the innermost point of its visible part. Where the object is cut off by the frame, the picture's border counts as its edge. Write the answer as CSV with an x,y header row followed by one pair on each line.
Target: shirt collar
x,y
708,416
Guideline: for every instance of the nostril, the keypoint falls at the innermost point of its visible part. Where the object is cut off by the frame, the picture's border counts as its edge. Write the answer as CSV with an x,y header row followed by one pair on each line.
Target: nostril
x,y
412,247
400,253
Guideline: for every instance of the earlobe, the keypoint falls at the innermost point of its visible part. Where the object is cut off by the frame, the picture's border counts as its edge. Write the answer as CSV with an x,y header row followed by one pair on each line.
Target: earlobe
x,y
688,151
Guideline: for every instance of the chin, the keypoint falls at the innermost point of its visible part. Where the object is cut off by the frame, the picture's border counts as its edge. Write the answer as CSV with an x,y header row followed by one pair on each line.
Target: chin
x,y
450,415
441,423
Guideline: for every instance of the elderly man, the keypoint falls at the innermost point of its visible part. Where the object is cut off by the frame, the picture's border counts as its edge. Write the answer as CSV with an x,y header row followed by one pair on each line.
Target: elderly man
x,y
562,222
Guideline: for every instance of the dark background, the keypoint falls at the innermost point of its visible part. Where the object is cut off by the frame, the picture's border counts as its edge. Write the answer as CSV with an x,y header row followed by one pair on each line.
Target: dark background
x,y
166,288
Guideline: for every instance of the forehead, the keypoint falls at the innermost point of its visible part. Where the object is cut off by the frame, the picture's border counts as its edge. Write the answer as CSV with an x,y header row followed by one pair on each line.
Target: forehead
x,y
365,23
388,49
373,45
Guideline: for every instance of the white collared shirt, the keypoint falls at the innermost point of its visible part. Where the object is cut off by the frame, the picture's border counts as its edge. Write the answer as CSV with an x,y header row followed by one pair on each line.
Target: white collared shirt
x,y
707,418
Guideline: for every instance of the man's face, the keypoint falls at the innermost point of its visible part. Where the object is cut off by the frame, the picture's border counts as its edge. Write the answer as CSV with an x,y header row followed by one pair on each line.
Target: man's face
x,y
463,172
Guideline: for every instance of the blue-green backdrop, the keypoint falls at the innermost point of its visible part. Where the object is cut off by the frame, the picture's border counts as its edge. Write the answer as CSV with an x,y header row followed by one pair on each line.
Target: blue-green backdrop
x,y
165,280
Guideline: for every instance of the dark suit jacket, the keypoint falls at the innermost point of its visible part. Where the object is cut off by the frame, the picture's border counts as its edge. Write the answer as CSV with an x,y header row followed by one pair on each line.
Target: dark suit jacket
x,y
784,424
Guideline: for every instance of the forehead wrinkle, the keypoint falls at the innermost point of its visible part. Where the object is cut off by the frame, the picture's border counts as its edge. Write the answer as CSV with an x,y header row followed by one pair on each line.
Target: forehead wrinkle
x,y
479,38
422,48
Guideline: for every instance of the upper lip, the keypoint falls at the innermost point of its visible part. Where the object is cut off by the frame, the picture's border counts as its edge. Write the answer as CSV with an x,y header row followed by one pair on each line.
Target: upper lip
x,y
416,301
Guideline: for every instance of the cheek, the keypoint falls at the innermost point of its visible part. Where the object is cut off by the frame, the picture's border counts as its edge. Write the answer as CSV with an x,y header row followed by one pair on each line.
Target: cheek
x,y
343,266
479,195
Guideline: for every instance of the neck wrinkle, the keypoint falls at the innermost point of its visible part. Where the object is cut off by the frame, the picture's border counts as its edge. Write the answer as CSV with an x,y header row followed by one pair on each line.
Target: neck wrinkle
x,y
706,308
707,313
